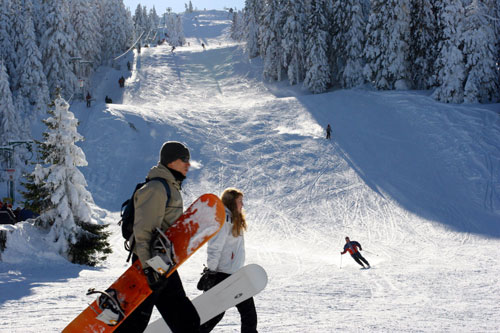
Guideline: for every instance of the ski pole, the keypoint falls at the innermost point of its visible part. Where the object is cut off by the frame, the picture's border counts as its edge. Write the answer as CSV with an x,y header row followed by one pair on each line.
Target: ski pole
x,y
340,261
371,253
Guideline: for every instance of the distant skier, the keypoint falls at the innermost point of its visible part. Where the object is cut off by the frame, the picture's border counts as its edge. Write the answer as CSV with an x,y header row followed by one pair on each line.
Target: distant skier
x,y
328,131
88,98
352,248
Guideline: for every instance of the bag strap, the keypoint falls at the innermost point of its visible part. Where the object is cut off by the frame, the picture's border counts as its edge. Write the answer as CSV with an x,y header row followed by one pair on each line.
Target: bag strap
x,y
167,188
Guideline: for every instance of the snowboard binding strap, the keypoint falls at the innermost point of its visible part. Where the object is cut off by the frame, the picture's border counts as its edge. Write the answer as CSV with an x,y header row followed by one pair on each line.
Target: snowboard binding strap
x,y
111,311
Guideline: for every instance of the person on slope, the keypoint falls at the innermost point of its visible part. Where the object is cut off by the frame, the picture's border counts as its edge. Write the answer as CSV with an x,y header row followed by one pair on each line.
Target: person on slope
x,y
226,255
328,131
168,294
88,98
352,248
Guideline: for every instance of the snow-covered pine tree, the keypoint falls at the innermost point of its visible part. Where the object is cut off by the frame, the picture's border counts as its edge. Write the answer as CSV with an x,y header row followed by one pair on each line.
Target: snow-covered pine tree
x,y
139,20
270,40
252,12
72,233
175,30
237,27
317,77
32,80
480,44
147,20
17,32
293,42
450,63
423,41
387,45
88,36
153,16
347,43
338,24
181,39
117,30
57,49
39,19
10,120
7,52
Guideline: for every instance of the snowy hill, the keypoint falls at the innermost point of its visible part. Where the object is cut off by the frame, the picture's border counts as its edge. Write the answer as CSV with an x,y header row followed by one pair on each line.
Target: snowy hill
x,y
416,182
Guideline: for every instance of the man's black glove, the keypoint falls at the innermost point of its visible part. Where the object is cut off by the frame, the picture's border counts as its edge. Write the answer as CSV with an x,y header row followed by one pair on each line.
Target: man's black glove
x,y
155,280
207,280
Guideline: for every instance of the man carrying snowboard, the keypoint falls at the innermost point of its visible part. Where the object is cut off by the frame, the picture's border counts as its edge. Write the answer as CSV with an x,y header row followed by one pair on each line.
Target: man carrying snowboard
x,y
352,248
168,294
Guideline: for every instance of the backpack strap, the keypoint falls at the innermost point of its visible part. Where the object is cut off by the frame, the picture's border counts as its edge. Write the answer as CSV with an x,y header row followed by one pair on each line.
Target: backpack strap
x,y
167,188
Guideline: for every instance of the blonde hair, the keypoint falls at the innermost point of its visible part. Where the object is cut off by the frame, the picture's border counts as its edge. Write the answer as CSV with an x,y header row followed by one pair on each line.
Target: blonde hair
x,y
228,198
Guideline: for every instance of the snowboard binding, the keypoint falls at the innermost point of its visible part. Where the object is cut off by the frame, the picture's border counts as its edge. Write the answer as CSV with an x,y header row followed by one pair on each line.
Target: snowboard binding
x,y
111,311
161,248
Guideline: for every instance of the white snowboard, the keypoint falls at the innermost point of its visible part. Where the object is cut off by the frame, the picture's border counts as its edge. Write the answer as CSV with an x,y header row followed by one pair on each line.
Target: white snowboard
x,y
240,286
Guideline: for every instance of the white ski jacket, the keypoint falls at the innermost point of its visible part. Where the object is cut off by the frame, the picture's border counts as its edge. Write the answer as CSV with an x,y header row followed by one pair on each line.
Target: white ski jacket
x,y
225,252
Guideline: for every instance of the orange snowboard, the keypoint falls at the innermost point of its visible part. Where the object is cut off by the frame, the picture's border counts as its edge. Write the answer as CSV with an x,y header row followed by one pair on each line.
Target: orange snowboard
x,y
201,221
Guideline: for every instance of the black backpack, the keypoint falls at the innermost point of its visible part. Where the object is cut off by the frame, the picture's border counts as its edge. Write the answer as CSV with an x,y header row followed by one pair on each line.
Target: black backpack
x,y
127,213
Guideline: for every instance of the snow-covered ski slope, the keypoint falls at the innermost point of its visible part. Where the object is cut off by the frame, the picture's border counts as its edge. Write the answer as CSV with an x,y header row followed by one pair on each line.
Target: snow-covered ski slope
x,y
416,182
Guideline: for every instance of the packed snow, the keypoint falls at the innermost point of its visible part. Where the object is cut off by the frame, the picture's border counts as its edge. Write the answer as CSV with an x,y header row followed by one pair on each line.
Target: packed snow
x,y
415,181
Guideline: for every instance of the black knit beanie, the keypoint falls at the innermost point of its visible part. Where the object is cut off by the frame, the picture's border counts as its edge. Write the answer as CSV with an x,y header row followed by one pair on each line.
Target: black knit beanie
x,y
171,151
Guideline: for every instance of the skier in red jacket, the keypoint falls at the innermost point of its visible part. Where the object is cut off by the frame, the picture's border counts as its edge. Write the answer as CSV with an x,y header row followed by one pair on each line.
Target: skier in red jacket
x,y
352,248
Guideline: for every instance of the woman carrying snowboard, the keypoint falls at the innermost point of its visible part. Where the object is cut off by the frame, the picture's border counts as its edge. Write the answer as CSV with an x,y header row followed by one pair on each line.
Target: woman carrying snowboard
x,y
226,255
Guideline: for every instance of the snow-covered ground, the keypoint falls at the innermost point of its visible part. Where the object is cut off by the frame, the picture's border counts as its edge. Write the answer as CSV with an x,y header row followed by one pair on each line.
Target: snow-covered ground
x,y
416,182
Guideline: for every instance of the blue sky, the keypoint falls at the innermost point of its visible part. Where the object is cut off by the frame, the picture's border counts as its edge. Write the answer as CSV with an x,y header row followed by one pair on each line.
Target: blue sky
x,y
178,5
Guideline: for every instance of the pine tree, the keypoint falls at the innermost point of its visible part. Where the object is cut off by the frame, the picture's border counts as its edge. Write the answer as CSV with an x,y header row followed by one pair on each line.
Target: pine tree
x,y
9,117
423,42
387,45
450,63
270,40
155,19
175,30
88,37
72,231
17,32
139,20
252,11
117,30
317,77
347,43
10,120
482,84
57,48
7,52
293,42
32,81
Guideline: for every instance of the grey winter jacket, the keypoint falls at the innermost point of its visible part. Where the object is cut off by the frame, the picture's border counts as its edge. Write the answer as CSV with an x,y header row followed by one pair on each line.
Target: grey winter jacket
x,y
150,211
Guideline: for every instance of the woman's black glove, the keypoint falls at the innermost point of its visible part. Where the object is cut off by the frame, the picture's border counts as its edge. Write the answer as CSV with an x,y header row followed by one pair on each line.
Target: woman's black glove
x,y
207,280
155,280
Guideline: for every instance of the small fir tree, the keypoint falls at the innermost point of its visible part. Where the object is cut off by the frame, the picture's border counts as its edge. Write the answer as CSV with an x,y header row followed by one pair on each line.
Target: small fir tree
x,y
67,209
